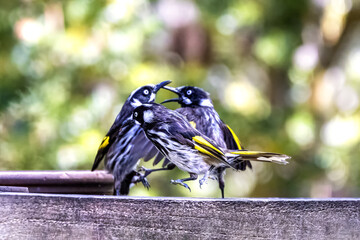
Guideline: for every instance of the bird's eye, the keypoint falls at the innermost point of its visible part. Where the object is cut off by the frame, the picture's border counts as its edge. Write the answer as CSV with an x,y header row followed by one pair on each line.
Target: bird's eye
x,y
146,92
188,92
135,114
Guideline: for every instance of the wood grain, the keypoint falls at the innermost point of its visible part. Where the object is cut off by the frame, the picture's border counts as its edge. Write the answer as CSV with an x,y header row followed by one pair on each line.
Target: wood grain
x,y
45,216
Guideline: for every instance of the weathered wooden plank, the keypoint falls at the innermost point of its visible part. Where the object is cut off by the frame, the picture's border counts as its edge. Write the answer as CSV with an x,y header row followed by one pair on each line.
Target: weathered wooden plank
x,y
44,216
73,182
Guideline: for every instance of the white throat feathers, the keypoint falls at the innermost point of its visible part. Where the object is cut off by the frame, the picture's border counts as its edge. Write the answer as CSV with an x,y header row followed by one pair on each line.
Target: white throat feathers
x,y
206,103
135,103
152,97
148,116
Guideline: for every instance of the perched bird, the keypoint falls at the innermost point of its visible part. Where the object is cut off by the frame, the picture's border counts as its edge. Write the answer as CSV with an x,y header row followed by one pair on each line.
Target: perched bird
x,y
197,107
125,143
189,149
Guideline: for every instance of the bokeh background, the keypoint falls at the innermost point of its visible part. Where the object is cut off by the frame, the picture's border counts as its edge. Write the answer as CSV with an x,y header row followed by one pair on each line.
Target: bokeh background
x,y
283,74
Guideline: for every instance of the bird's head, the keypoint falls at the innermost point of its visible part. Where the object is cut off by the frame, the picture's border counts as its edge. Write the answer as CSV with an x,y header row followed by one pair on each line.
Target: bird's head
x,y
190,96
145,94
146,113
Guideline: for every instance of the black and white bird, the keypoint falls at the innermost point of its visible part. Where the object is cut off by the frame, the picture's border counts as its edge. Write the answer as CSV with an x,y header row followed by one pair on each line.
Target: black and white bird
x,y
125,143
189,149
197,107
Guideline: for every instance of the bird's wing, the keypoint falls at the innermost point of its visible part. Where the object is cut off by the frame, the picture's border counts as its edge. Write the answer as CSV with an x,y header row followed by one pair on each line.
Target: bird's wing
x,y
112,134
206,147
186,134
144,148
232,141
106,143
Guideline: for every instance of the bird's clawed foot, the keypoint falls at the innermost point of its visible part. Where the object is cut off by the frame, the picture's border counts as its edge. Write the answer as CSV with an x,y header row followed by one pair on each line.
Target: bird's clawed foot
x,y
180,182
206,176
145,182
140,177
203,180
145,171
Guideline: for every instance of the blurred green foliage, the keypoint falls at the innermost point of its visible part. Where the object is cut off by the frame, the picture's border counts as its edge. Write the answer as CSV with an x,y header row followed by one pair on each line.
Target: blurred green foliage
x,y
283,74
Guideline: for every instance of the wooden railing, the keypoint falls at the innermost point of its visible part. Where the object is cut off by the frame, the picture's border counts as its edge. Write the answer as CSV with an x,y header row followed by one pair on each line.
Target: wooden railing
x,y
75,216
45,216
67,182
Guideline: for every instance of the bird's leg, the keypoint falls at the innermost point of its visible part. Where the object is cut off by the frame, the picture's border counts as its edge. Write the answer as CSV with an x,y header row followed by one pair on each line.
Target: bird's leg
x,y
221,186
206,176
146,171
116,192
221,179
193,176
123,187
141,177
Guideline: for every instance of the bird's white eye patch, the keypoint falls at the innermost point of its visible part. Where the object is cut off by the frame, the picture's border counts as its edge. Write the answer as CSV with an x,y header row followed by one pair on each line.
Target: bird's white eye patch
x,y
136,114
146,92
188,92
148,116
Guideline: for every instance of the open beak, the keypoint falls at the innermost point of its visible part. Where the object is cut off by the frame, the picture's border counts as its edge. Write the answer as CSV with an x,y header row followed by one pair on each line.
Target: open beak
x,y
171,100
161,85
174,90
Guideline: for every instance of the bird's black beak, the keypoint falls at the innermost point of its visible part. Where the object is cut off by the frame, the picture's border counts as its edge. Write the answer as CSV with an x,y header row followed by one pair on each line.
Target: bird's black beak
x,y
171,100
161,85
174,90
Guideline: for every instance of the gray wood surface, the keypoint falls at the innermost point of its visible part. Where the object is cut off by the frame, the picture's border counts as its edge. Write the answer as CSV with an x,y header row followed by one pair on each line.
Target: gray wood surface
x,y
45,216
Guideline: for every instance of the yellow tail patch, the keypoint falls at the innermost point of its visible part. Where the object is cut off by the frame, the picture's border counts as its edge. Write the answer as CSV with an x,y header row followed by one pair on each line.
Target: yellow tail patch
x,y
104,142
238,143
201,140
246,152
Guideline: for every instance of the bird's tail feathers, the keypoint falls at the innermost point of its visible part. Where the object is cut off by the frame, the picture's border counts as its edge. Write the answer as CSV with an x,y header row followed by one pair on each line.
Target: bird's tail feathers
x,y
236,156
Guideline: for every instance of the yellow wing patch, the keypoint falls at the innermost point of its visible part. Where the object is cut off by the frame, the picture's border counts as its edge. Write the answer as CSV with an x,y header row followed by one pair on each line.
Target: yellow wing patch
x,y
202,141
205,147
204,151
104,142
193,124
238,143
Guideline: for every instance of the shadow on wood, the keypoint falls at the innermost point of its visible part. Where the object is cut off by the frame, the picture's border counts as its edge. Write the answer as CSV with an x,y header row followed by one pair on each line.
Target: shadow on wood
x,y
39,216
